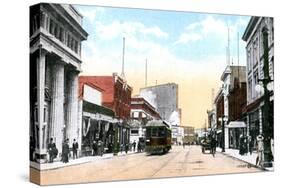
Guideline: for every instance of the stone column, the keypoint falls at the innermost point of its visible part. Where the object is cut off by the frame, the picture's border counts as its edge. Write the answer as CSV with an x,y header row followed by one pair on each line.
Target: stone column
x,y
57,102
41,126
72,106
80,122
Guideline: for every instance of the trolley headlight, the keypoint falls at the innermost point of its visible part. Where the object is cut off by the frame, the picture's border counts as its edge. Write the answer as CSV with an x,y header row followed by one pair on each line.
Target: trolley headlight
x,y
147,140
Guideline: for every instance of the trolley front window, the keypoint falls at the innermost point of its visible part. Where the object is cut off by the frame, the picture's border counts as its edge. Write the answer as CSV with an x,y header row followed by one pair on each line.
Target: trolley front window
x,y
154,132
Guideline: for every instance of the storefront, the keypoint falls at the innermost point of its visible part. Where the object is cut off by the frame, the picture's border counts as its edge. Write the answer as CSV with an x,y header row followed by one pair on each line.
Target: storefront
x,y
237,130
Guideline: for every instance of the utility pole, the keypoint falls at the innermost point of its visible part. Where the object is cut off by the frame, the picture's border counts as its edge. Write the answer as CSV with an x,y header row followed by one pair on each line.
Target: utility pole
x,y
145,72
123,55
238,53
228,47
267,126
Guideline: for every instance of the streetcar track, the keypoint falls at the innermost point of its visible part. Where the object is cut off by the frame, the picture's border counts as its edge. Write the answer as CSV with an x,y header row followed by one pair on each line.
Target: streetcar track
x,y
184,165
134,166
165,164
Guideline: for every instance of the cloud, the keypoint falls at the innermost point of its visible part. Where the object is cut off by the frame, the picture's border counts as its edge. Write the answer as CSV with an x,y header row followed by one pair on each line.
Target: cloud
x,y
90,13
201,30
188,37
117,28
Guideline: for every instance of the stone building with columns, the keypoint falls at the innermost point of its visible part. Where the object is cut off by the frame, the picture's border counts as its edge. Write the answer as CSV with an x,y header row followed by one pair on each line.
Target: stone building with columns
x,y
56,34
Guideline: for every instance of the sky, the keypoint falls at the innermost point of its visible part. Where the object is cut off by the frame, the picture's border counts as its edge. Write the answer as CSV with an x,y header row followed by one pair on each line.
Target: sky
x,y
185,48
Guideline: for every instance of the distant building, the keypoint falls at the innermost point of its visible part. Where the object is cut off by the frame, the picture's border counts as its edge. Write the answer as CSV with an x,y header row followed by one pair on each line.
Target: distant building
x,y
56,35
219,108
212,121
189,135
253,36
116,95
164,97
141,112
199,134
177,134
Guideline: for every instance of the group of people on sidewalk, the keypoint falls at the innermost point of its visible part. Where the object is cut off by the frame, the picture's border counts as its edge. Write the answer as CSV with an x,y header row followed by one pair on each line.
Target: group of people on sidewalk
x,y
53,151
98,148
139,147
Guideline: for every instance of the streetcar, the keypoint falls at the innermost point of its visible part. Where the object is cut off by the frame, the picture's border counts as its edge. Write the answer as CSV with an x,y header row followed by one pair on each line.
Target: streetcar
x,y
158,137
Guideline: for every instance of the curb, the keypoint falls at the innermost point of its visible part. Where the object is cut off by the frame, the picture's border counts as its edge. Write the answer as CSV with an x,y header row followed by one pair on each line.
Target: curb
x,y
75,164
250,164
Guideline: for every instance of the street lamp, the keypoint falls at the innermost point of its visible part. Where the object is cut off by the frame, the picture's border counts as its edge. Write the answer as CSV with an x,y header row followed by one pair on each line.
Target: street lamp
x,y
223,119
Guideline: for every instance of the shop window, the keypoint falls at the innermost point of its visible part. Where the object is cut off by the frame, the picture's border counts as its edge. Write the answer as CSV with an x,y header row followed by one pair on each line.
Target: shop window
x,y
134,132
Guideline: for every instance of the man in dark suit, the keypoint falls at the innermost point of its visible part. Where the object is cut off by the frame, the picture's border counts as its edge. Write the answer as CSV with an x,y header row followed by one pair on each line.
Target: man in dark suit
x,y
65,151
74,149
52,150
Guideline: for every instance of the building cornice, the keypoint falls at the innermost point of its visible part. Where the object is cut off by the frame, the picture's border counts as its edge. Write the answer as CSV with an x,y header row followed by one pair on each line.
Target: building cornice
x,y
252,23
73,23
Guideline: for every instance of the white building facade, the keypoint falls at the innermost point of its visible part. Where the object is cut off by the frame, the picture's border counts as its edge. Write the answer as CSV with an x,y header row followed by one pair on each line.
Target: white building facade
x,y
56,34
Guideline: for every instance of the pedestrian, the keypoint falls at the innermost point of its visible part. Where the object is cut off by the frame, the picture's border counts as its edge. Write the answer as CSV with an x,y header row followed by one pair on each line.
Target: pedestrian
x,y
100,148
251,144
52,150
272,148
213,145
65,151
74,149
241,144
134,145
139,147
126,148
95,148
31,148
183,145
260,148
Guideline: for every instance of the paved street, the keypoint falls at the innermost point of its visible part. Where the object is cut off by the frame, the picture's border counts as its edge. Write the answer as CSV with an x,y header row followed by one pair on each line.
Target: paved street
x,y
178,162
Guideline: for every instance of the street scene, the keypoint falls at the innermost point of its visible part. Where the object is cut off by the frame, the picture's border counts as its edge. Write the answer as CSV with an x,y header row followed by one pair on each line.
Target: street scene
x,y
187,161
126,94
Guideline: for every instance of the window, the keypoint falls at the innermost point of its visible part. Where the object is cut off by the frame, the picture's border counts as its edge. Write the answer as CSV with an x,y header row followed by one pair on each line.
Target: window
x,y
68,40
61,35
250,89
154,132
51,27
76,46
55,31
134,132
135,114
36,114
45,115
161,132
35,23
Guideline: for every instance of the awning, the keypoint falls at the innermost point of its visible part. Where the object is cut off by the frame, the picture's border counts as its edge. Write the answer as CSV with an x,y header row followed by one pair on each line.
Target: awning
x,y
236,124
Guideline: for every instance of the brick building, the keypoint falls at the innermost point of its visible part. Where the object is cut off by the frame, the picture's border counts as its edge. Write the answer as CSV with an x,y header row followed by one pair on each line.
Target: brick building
x,y
116,95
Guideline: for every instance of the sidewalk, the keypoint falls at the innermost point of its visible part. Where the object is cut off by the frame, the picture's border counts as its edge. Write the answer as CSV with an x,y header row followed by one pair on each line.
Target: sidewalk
x,y
251,159
58,164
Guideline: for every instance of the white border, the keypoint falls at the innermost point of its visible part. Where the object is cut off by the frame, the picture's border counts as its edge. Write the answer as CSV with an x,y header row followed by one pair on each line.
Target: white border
x,y
14,96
